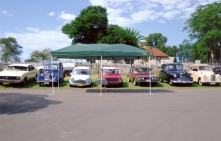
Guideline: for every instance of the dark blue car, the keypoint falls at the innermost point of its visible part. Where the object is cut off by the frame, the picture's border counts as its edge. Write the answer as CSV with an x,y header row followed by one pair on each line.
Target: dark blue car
x,y
51,73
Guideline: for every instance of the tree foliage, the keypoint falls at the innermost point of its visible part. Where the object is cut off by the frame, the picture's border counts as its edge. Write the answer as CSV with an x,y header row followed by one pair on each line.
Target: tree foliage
x,y
136,34
185,51
89,27
39,56
116,34
204,27
156,40
10,50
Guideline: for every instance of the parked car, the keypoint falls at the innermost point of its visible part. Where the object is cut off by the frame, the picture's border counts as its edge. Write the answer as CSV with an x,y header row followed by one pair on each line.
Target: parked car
x,y
142,74
203,74
217,70
80,76
52,73
174,73
111,74
18,73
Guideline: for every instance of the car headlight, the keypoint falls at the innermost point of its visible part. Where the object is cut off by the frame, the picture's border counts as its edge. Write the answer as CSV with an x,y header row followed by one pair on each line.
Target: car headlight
x,y
42,74
204,77
87,80
72,79
191,76
174,75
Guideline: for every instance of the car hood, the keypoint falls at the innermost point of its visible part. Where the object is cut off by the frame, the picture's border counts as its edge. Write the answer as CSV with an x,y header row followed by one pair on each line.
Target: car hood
x,y
12,73
111,76
207,72
80,77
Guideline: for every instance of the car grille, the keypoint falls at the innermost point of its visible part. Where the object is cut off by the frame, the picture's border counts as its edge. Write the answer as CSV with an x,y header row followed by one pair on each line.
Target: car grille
x,y
80,82
8,77
212,78
112,79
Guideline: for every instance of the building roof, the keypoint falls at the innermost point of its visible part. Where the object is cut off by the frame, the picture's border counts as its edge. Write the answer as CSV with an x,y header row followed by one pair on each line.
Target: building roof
x,y
154,51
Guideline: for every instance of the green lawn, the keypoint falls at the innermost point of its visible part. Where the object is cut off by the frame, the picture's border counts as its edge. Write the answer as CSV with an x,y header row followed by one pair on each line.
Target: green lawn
x,y
126,85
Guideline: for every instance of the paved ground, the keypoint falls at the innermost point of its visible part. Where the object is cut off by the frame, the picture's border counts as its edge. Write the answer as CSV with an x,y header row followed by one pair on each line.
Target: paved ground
x,y
83,115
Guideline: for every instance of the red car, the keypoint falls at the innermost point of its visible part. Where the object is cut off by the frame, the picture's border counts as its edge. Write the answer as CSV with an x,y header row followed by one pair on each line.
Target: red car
x,y
142,74
112,76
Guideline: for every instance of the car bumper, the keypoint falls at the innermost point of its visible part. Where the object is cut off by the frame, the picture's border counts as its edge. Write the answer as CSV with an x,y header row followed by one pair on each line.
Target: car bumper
x,y
46,81
79,83
112,83
182,82
211,82
146,81
7,82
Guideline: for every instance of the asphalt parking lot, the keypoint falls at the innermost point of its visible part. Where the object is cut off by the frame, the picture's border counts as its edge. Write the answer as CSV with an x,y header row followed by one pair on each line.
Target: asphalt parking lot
x,y
125,115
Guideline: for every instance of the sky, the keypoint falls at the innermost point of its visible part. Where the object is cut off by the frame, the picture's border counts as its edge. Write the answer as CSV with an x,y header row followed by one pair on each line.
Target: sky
x,y
36,24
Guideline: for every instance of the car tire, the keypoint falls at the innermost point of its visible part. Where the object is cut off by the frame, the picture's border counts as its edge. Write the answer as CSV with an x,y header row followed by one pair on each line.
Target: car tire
x,y
171,82
217,84
24,82
200,82
70,85
161,80
153,83
128,79
39,83
135,82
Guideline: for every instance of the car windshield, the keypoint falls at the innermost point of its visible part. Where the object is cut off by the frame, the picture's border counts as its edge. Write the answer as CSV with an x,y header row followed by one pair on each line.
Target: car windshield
x,y
46,67
204,68
175,67
110,71
142,69
17,68
80,72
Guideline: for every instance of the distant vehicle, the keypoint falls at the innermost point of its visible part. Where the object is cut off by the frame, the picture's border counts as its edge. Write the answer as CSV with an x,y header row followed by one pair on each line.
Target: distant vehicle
x,y
174,73
80,76
142,74
68,67
203,74
111,74
51,73
18,73
217,70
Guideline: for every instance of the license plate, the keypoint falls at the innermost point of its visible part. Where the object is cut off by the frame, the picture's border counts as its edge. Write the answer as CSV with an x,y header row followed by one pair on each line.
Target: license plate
x,y
212,83
79,84
184,82
46,82
6,82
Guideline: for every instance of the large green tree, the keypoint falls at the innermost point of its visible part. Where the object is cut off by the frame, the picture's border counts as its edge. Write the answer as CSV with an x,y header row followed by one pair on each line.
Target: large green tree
x,y
116,34
204,28
156,40
136,34
10,50
89,27
185,51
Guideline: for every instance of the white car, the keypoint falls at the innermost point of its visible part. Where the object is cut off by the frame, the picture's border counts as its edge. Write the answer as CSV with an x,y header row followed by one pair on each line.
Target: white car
x,y
18,73
80,76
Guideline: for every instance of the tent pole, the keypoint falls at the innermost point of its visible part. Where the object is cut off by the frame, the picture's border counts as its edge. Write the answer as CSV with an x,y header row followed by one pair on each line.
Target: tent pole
x,y
150,75
52,76
101,77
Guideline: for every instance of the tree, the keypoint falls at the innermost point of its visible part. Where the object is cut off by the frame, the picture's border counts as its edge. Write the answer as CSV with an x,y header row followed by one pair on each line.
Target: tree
x,y
116,34
185,51
157,40
10,50
89,27
136,34
204,28
39,56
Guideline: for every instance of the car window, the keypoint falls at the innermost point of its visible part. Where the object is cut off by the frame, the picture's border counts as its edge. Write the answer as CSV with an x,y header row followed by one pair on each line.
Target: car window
x,y
50,67
17,68
204,68
81,72
142,69
110,71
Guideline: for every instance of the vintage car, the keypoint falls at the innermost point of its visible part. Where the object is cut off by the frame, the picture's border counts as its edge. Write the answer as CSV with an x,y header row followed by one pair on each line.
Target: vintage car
x,y
112,76
80,76
18,73
142,74
203,74
217,70
174,73
52,73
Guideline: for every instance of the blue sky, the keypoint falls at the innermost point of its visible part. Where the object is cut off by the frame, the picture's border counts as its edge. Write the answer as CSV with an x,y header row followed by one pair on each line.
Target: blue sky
x,y
36,24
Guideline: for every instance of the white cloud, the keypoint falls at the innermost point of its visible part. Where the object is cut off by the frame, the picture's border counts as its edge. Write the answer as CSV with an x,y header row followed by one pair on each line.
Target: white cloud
x,y
66,16
130,12
51,14
6,13
31,41
161,21
32,29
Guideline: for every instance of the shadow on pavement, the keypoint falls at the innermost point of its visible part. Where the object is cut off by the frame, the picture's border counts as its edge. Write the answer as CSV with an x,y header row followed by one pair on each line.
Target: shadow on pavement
x,y
130,91
15,103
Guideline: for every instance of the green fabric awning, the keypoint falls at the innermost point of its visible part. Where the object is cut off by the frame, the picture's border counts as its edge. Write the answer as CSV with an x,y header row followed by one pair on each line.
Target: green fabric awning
x,y
94,51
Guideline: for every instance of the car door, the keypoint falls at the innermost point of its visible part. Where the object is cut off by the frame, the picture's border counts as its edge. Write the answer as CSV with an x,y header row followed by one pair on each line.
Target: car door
x,y
194,71
162,73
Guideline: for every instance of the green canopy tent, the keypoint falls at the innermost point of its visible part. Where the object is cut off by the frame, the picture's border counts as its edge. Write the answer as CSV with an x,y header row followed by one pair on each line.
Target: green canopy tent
x,y
100,51
95,51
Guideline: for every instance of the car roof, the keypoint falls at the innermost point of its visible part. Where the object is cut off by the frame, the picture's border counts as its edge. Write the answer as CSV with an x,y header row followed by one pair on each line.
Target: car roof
x,y
107,68
172,64
81,67
26,65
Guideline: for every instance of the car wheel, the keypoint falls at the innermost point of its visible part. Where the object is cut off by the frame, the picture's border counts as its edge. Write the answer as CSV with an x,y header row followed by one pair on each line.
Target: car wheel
x,y
24,82
39,83
217,84
161,80
200,82
128,79
135,82
171,82
154,83
70,85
